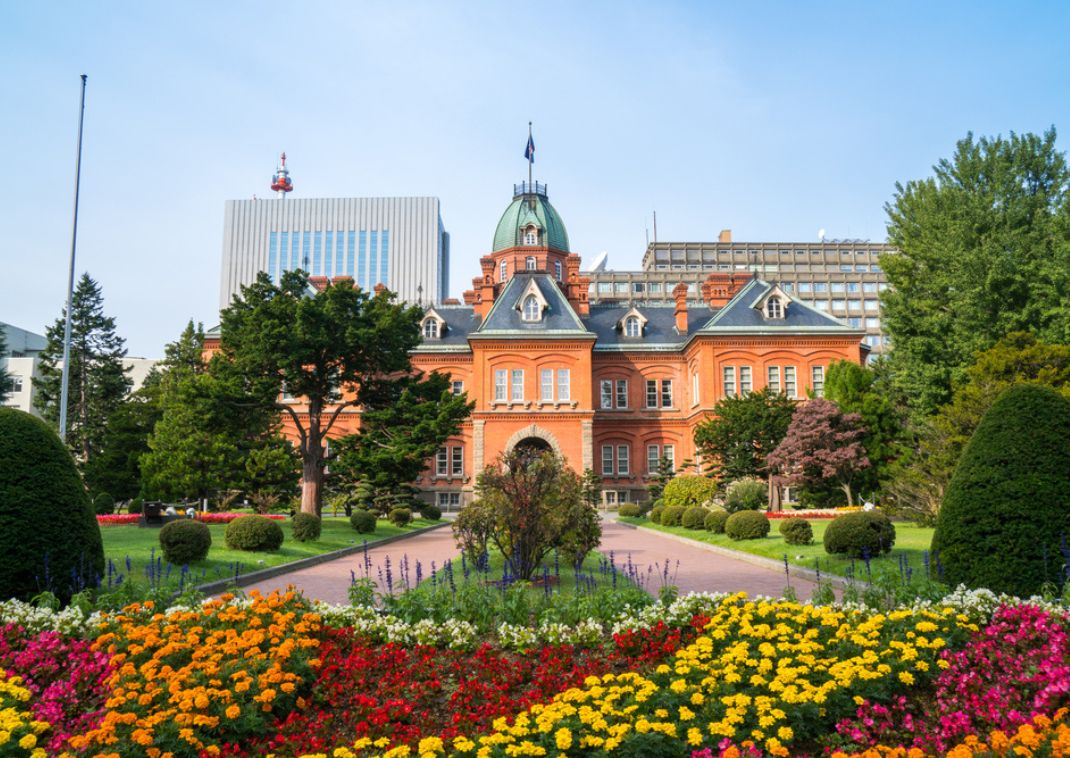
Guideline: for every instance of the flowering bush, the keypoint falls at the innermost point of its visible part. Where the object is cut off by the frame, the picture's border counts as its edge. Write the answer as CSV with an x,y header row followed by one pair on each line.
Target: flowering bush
x,y
20,731
118,519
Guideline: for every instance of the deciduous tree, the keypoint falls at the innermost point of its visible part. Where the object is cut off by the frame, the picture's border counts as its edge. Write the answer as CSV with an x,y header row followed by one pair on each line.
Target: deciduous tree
x,y
744,430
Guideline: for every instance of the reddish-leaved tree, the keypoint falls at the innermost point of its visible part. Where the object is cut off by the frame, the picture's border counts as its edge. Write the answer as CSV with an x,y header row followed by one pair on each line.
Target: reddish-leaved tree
x,y
822,444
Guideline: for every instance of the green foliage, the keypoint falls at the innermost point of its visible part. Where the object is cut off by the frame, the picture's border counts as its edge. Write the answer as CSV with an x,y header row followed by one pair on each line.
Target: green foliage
x,y
253,533
671,515
117,467
688,491
746,495
185,542
656,513
306,527
591,487
694,517
796,531
660,479
103,504
5,377
743,431
747,525
860,534
134,506
400,516
98,382
528,504
363,521
715,520
1005,513
49,538
983,250
431,512
630,510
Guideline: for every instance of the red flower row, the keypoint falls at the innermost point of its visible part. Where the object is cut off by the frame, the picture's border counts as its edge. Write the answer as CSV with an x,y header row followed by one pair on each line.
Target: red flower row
x,y
116,519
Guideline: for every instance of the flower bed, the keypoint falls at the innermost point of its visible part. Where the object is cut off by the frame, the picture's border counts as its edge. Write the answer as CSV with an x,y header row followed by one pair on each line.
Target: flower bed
x,y
119,519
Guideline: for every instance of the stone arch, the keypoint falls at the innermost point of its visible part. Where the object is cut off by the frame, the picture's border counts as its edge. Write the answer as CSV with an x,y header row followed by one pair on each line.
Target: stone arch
x,y
534,430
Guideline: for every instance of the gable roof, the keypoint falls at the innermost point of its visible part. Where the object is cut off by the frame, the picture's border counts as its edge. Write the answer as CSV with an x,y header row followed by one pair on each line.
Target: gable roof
x,y
505,319
741,316
460,321
659,332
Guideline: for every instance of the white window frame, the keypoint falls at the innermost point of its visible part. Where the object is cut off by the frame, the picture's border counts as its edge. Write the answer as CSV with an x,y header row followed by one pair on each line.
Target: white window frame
x,y
632,327
746,380
457,387
503,271
773,308
431,330
666,393
817,380
607,460
531,236
457,460
653,459
532,310
530,263
516,385
622,393
441,461
651,393
694,388
791,382
623,467
606,394
557,270
728,374
669,453
772,380
546,385
564,385
501,385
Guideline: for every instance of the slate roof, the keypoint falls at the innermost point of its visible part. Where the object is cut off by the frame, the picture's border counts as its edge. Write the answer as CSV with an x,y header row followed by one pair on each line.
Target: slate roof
x,y
658,334
504,319
741,316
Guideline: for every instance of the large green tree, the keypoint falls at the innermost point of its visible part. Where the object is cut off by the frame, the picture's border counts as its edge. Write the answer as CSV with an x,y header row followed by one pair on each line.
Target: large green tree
x,y
746,428
328,348
983,249
98,381
5,377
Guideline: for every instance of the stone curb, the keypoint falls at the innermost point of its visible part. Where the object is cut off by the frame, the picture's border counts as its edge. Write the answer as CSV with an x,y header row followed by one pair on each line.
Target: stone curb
x,y
262,575
799,571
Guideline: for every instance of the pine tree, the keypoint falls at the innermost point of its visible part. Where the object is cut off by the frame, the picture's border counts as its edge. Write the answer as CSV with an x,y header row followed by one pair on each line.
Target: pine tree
x,y
5,377
98,380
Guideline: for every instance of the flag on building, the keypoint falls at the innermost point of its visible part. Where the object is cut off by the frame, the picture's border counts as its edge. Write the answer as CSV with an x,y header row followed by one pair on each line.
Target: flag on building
x,y
529,151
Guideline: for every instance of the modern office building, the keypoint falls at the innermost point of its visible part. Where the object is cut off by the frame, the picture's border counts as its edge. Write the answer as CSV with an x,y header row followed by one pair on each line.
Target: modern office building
x,y
397,241
841,277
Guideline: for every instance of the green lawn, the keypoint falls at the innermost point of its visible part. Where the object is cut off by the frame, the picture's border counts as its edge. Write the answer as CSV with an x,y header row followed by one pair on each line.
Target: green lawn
x,y
139,546
910,541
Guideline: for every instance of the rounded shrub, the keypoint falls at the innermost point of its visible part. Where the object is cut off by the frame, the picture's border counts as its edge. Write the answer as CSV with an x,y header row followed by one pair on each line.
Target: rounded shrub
x,y
363,521
796,531
306,527
746,495
253,533
1004,514
49,537
431,512
184,542
134,506
746,525
104,504
671,515
689,491
656,513
630,510
400,516
715,520
694,517
863,534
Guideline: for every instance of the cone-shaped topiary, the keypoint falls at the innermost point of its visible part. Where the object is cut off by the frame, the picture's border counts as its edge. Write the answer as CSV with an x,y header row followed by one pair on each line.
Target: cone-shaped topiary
x,y
1005,512
49,538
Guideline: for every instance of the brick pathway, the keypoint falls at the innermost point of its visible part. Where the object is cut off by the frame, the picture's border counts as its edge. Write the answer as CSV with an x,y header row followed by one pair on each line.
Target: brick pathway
x,y
699,569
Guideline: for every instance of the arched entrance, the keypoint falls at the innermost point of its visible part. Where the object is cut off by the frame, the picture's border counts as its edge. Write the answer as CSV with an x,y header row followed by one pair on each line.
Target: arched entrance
x,y
532,446
533,438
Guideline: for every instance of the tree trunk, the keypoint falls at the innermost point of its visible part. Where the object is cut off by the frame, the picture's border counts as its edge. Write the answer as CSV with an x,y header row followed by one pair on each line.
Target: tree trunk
x,y
847,490
311,482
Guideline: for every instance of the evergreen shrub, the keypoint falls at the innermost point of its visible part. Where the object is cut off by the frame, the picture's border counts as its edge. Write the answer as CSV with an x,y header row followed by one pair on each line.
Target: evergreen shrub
x,y
689,491
1004,518
796,531
715,520
859,535
747,525
363,521
253,533
185,542
630,510
694,517
104,504
306,527
49,537
134,506
400,516
656,513
671,515
431,512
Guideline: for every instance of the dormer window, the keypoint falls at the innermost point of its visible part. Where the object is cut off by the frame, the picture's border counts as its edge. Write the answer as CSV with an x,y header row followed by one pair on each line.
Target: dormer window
x,y
504,271
433,326
529,263
632,327
532,309
774,308
557,270
430,329
531,236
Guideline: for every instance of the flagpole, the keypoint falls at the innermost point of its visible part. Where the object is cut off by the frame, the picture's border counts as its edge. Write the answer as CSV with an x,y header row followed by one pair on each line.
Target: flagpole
x,y
65,387
531,158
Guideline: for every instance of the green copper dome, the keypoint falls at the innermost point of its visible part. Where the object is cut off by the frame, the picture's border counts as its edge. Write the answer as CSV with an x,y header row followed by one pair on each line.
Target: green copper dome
x,y
530,206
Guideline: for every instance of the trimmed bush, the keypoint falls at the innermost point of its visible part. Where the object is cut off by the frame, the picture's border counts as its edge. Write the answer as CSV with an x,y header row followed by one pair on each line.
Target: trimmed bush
x,y
1004,513
689,491
715,520
746,495
796,531
656,513
746,525
694,517
47,525
630,510
363,521
400,516
134,506
671,515
306,527
431,512
104,504
859,535
253,533
185,542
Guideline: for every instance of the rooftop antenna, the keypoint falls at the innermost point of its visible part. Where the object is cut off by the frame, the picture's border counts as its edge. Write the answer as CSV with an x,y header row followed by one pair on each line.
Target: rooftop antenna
x,y
655,227
280,181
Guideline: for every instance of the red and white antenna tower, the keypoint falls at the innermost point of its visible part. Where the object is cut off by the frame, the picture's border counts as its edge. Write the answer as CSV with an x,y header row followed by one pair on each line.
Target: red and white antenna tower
x,y
280,182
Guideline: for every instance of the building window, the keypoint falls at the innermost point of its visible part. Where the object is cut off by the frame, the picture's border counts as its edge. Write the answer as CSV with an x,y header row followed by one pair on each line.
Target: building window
x,y
666,393
873,323
631,327
651,393
447,501
805,287
607,393
441,460
501,377
869,286
854,322
838,287
729,381
773,379
457,387
607,460
745,383
817,380
839,305
531,308
773,308
531,236
546,385
872,305
653,459
504,271
518,385
564,384
694,389
15,384
457,461
622,460
529,263
557,270
611,497
430,329
820,287
789,381
622,393
854,305
668,452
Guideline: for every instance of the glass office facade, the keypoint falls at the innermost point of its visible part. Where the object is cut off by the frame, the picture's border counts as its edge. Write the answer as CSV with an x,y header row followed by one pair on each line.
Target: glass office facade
x,y
362,254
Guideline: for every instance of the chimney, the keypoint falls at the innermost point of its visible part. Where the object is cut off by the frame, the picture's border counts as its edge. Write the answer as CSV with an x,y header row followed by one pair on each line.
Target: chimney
x,y
725,235
679,293
720,287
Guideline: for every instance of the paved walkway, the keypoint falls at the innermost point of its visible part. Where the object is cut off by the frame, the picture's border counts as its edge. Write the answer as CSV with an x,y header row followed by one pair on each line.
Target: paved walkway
x,y
690,567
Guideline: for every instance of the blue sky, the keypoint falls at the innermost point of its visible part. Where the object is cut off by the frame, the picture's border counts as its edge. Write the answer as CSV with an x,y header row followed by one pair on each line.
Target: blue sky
x,y
772,119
